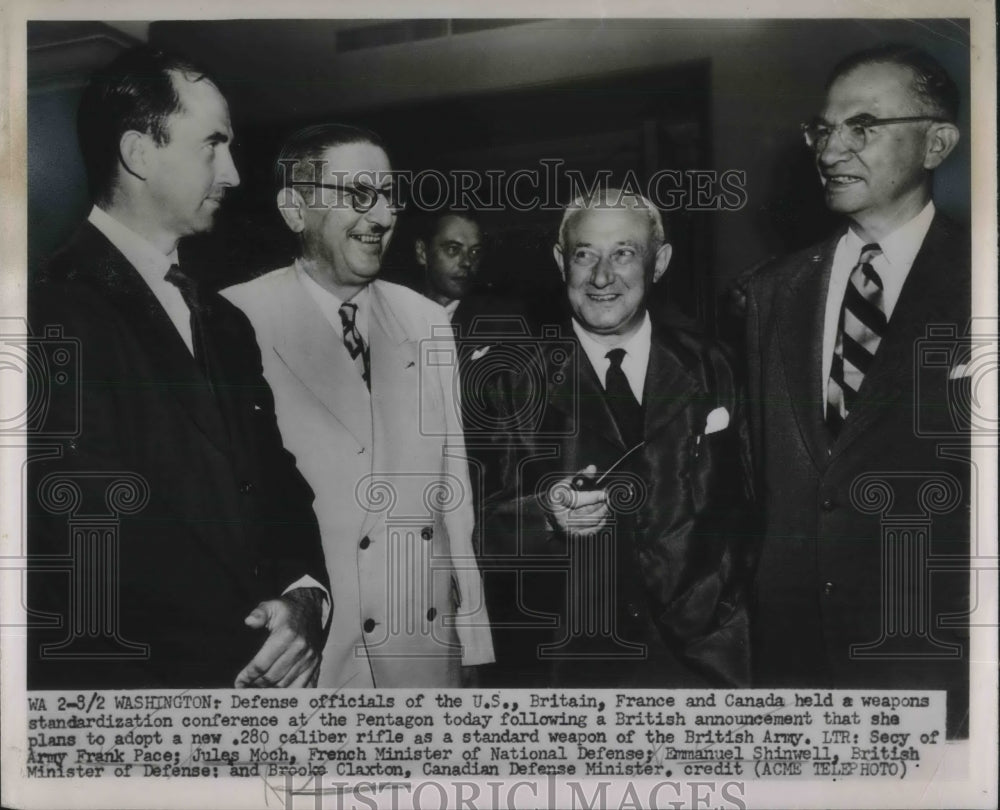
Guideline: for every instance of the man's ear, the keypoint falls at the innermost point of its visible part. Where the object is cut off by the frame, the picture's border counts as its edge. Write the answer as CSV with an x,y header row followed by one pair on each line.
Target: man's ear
x,y
663,254
941,139
291,206
557,254
420,248
134,153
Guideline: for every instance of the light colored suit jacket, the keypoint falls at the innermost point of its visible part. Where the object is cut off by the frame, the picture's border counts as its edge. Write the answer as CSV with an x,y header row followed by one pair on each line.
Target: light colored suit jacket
x,y
390,476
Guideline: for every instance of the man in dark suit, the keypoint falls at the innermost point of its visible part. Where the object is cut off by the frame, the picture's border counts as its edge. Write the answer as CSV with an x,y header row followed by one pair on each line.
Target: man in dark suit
x,y
623,512
192,551
859,503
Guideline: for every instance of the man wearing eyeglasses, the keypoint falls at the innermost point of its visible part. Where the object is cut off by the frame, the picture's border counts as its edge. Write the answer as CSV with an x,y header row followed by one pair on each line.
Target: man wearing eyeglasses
x,y
363,406
844,600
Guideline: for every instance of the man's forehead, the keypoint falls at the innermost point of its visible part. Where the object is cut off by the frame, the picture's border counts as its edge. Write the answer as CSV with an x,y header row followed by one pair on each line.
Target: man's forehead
x,y
356,161
878,88
456,228
620,221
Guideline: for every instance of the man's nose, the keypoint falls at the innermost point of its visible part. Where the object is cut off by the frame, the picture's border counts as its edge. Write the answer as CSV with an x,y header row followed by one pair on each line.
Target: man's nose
x,y
226,174
834,150
381,213
603,273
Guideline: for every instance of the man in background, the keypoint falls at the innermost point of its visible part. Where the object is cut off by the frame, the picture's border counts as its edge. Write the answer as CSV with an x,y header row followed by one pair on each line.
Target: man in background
x,y
216,575
365,402
836,389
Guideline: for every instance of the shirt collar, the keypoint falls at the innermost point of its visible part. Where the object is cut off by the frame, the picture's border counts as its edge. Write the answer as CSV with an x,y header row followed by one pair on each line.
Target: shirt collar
x,y
330,304
140,253
900,247
450,308
637,345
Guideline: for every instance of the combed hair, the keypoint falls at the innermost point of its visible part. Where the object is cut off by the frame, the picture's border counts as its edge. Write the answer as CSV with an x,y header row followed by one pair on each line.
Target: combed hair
x,y
430,223
297,159
612,198
931,82
136,91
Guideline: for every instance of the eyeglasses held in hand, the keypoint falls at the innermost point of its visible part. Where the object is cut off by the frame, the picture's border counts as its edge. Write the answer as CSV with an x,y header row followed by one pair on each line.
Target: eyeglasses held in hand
x,y
855,132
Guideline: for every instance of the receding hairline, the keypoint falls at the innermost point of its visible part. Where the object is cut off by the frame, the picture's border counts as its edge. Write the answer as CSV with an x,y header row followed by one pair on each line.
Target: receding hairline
x,y
603,202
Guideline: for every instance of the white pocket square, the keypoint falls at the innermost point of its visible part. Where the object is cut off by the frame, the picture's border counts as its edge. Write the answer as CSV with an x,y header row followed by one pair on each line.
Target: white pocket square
x,y
959,371
717,420
480,352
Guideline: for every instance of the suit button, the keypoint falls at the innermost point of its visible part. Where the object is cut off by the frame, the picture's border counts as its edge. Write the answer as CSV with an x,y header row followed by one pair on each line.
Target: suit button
x,y
427,533
246,487
827,588
369,625
828,505
431,614
365,541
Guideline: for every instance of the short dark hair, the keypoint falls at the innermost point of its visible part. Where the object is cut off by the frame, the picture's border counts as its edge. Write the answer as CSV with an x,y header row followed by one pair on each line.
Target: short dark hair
x,y
931,81
310,143
136,91
431,222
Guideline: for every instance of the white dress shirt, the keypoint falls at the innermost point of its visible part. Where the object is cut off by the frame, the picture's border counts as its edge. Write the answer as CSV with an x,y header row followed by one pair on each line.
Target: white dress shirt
x,y
634,363
152,265
899,249
330,304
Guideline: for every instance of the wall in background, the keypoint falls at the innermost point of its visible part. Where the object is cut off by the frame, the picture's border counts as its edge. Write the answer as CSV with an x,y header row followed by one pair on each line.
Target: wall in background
x,y
764,78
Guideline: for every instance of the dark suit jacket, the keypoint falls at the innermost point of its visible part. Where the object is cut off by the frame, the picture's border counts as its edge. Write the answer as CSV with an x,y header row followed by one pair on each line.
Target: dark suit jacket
x,y
227,521
660,602
819,587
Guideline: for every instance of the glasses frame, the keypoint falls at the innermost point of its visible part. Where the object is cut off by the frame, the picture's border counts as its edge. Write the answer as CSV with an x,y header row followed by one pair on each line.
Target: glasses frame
x,y
373,193
865,122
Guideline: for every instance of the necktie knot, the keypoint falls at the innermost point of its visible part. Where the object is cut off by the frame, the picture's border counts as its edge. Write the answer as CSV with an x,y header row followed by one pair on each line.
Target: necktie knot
x,y
616,356
348,315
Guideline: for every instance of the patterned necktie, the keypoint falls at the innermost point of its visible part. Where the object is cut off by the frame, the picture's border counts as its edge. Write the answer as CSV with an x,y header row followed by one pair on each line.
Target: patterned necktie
x,y
192,296
624,407
860,330
355,343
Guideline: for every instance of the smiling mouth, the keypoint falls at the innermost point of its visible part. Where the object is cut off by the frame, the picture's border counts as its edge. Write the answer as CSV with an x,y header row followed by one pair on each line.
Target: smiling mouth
x,y
603,298
841,180
370,239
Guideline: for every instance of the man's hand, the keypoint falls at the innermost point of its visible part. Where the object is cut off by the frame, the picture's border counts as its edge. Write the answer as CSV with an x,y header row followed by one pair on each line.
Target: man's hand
x,y
291,654
577,512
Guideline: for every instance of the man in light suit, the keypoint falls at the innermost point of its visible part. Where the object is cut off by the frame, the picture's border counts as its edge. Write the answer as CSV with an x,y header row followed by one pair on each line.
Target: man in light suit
x,y
837,393
642,562
364,379
170,479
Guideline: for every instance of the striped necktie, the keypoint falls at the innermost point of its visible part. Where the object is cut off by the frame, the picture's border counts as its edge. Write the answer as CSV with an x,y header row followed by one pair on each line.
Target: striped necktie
x,y
860,330
355,343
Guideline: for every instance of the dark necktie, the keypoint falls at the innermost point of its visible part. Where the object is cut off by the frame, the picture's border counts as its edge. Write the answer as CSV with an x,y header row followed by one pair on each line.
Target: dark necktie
x,y
194,299
859,332
355,343
624,407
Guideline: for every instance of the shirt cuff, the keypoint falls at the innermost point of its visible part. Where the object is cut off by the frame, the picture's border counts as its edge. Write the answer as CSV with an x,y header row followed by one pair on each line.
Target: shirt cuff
x,y
308,582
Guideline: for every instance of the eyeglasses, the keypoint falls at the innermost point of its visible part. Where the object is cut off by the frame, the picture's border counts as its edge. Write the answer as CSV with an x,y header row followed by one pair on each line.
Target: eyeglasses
x,y
364,197
854,132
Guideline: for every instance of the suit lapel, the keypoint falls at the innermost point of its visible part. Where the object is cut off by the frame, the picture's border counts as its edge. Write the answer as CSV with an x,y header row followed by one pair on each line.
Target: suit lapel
x,y
315,354
927,297
578,393
175,369
668,388
800,320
